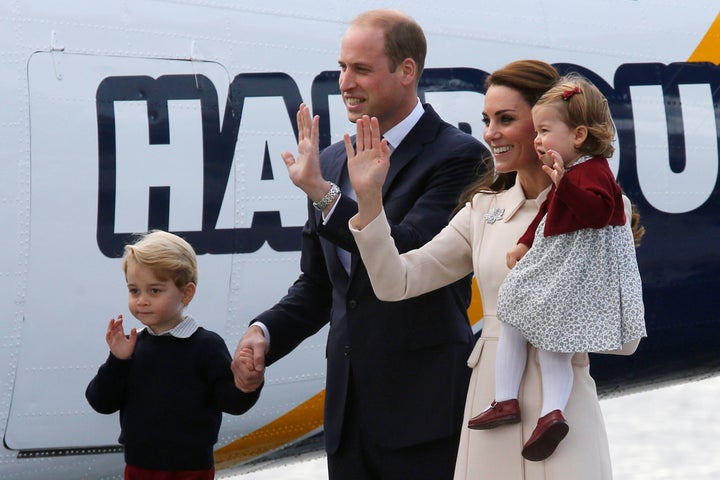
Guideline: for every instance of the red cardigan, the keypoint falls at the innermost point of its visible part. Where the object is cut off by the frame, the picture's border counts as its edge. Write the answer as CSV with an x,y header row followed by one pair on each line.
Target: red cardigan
x,y
588,197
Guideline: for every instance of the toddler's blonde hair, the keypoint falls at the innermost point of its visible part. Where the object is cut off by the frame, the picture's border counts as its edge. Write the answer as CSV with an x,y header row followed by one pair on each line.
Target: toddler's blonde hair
x,y
580,102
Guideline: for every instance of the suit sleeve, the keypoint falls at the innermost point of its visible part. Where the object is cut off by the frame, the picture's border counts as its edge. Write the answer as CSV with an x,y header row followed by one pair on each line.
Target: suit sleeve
x,y
305,308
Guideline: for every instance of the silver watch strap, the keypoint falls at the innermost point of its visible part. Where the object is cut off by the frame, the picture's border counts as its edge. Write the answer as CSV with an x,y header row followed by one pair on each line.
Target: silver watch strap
x,y
328,198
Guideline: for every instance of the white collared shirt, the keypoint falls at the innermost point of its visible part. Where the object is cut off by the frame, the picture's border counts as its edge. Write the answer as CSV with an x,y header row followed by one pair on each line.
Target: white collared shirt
x,y
183,329
397,134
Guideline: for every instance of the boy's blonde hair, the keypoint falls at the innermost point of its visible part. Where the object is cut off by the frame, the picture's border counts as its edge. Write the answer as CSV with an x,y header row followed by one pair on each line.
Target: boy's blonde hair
x,y
169,256
581,103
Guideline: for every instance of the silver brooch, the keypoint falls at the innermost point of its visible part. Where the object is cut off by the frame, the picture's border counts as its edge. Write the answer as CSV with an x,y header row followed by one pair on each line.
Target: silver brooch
x,y
494,215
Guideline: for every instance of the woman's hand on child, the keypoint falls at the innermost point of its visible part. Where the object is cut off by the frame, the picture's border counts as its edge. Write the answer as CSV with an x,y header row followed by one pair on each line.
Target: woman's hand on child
x,y
122,347
514,255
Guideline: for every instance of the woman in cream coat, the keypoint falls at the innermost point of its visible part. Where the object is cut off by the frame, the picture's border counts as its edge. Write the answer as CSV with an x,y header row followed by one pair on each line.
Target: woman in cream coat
x,y
492,219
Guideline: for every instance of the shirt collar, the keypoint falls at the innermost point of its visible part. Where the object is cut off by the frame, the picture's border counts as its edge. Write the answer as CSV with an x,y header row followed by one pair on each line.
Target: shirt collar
x,y
397,133
183,329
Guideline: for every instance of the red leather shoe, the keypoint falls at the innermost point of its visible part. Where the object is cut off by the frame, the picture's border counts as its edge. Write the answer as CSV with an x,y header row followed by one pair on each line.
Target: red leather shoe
x,y
499,413
548,433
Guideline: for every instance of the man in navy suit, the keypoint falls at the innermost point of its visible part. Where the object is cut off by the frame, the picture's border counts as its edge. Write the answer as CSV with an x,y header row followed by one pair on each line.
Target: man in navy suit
x,y
396,371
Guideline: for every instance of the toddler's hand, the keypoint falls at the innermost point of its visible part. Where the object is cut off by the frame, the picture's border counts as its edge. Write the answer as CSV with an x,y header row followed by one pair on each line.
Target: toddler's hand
x,y
514,255
554,166
245,355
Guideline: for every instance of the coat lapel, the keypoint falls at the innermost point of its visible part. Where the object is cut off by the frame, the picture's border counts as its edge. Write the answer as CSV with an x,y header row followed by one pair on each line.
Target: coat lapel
x,y
514,198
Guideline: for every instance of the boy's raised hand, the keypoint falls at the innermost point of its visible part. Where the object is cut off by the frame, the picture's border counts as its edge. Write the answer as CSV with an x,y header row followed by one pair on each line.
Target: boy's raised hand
x,y
122,347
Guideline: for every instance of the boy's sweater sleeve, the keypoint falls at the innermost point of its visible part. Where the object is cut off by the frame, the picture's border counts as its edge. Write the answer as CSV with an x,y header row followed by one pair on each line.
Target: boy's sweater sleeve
x,y
106,391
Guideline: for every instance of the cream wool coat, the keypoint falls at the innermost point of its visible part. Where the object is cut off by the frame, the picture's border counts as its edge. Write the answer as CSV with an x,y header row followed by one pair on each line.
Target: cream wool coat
x,y
470,244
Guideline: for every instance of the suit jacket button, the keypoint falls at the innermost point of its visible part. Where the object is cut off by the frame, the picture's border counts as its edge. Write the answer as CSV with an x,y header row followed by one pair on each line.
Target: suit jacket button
x,y
352,304
346,350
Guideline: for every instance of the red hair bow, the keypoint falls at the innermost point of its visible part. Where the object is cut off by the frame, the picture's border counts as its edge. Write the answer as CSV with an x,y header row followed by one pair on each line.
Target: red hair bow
x,y
569,93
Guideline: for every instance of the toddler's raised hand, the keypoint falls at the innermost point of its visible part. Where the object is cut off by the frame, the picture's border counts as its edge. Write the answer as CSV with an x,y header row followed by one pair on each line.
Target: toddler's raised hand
x,y
554,166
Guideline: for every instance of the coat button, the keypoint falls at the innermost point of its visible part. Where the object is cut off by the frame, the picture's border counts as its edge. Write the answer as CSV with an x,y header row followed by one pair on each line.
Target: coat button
x,y
352,304
346,350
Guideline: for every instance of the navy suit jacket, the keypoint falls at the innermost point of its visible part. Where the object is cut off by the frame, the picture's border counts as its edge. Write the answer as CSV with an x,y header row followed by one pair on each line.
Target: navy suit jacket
x,y
408,358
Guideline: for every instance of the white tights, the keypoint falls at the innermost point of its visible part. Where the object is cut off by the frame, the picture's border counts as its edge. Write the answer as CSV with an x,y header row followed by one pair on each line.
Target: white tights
x,y
555,368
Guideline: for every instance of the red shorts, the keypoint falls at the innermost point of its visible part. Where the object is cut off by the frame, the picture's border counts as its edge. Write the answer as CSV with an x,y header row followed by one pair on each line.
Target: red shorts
x,y
136,473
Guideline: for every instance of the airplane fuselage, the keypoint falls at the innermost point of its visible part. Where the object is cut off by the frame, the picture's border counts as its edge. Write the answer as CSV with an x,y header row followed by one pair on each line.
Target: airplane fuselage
x,y
120,117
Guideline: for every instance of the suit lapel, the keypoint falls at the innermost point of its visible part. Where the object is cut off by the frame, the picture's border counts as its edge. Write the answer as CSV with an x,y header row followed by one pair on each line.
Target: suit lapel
x,y
333,169
424,131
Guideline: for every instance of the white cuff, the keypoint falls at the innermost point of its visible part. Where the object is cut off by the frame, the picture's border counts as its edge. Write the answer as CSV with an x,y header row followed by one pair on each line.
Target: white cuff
x,y
264,329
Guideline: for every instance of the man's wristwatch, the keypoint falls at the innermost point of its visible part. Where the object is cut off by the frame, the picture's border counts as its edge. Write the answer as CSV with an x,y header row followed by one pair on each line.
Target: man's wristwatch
x,y
328,198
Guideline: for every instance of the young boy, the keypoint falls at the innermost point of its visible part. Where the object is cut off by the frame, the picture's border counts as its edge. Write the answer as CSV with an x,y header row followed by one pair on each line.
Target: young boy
x,y
172,380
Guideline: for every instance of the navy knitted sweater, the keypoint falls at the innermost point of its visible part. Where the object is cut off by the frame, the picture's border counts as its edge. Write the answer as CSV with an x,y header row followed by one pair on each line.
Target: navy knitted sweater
x,y
171,394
